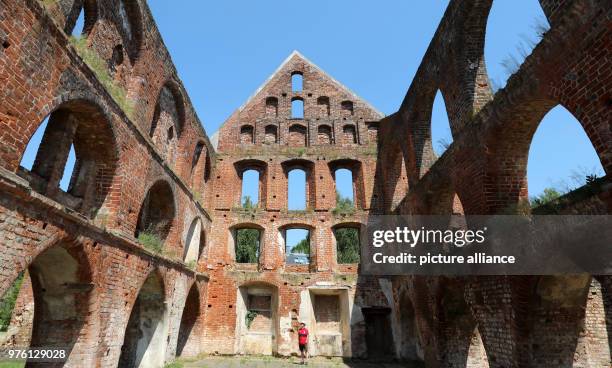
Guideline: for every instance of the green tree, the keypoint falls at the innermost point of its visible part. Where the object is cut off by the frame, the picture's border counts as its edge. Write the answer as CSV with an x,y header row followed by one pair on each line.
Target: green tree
x,y
247,203
547,196
247,245
347,245
303,246
343,204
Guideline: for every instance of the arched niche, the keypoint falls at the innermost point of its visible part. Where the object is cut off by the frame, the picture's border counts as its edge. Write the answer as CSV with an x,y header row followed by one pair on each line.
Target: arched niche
x,y
157,212
145,338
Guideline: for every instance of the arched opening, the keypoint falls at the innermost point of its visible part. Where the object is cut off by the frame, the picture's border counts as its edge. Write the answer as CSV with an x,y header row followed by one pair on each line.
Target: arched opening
x,y
168,120
62,286
272,106
348,243
324,134
297,81
271,134
349,185
50,305
296,190
257,319
188,336
79,25
193,241
69,155
349,134
441,136
156,216
80,19
297,136
131,24
247,243
300,184
144,342
253,177
344,187
297,245
247,135
297,108
573,168
324,106
410,347
250,188
517,30
347,108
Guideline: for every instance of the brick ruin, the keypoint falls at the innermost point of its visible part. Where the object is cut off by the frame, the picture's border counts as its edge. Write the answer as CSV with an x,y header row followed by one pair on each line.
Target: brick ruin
x,y
144,164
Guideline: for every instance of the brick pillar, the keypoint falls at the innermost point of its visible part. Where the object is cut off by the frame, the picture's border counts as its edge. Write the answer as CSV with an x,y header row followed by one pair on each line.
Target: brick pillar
x,y
325,195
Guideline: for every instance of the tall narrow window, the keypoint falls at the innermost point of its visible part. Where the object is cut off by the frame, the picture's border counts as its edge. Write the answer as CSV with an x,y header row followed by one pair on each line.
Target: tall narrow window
x,y
247,242
441,136
344,188
297,190
297,108
297,81
79,26
297,246
250,189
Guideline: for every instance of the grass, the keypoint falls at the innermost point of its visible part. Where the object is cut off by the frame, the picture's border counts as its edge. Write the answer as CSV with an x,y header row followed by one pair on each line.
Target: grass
x,y
174,365
12,364
7,303
151,241
100,69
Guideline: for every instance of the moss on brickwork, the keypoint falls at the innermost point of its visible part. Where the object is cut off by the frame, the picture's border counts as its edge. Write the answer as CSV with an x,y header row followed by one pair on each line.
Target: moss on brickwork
x,y
99,67
7,303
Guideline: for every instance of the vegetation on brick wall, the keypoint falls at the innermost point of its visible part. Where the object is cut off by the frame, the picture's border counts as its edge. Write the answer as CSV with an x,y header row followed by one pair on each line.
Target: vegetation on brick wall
x,y
250,317
100,69
7,303
151,241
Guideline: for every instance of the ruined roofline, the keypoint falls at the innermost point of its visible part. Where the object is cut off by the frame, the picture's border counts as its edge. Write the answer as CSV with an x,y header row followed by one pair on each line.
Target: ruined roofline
x,y
294,54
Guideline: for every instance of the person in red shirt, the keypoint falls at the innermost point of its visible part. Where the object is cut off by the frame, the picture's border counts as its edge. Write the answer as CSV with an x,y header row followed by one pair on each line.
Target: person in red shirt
x,y
303,341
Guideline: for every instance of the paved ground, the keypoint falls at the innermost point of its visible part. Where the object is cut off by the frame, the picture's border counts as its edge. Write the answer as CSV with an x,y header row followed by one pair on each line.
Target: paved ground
x,y
263,362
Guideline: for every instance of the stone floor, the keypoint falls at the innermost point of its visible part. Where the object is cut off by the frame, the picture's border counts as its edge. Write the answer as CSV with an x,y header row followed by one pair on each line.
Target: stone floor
x,y
262,362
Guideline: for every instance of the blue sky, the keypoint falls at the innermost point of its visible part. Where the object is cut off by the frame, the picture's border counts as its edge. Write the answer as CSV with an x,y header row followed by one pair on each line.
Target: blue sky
x,y
223,50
